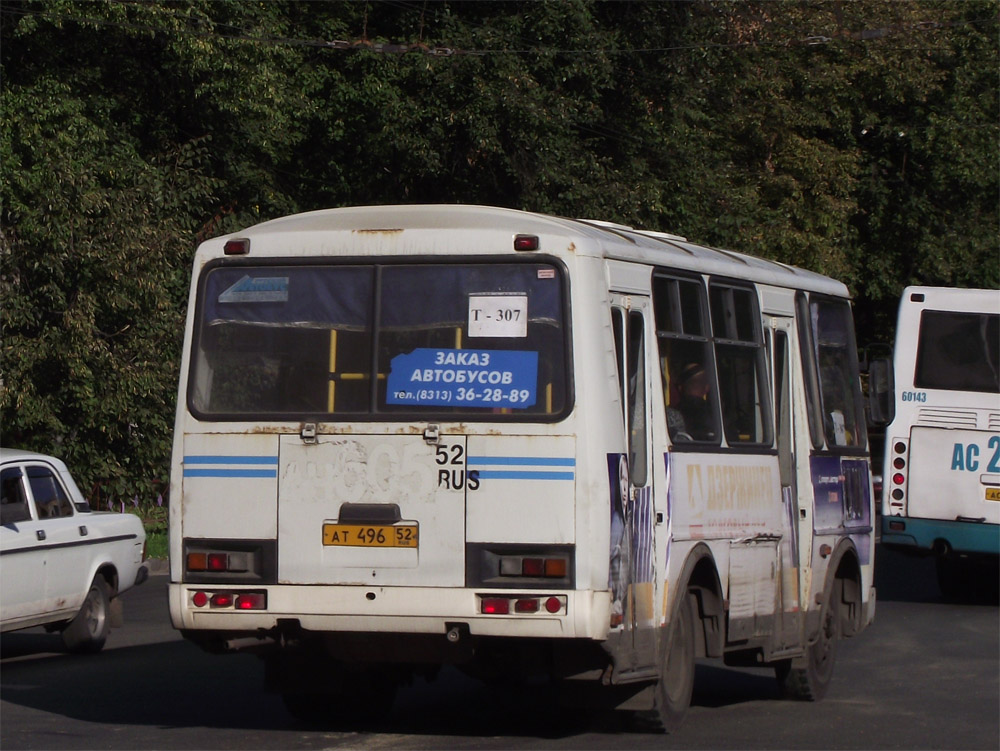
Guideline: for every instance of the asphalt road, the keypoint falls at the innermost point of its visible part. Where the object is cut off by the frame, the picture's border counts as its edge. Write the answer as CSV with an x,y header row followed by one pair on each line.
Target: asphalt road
x,y
926,674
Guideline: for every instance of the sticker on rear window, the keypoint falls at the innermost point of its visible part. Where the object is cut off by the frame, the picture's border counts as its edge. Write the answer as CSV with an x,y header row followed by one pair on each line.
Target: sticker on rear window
x,y
463,378
498,316
261,289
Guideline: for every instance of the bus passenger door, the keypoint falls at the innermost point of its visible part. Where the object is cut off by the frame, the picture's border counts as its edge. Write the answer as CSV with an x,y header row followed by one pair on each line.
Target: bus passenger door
x,y
635,569
788,629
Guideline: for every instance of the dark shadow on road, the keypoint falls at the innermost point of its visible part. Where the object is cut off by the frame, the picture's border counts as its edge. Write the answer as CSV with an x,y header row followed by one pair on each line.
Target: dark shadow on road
x,y
175,685
902,577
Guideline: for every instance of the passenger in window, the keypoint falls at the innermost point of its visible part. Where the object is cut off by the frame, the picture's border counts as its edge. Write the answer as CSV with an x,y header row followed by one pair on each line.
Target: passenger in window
x,y
691,418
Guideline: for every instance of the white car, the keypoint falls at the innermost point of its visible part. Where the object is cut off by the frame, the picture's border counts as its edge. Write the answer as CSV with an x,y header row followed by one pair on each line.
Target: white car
x,y
62,565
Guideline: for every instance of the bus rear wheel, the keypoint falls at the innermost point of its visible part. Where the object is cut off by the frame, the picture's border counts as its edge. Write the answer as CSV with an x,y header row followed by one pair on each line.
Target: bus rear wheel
x,y
676,683
808,677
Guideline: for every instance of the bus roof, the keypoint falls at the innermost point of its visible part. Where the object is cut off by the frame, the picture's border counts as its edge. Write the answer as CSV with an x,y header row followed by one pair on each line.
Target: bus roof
x,y
447,229
954,298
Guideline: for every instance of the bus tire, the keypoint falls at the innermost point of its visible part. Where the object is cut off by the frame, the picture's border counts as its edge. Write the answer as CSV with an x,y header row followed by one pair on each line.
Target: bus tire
x,y
88,630
676,683
807,678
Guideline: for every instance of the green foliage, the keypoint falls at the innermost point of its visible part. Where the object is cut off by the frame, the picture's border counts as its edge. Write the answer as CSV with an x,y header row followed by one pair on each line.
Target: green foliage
x,y
857,139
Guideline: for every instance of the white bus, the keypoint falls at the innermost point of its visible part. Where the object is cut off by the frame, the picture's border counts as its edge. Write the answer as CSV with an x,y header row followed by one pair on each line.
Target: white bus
x,y
417,436
941,480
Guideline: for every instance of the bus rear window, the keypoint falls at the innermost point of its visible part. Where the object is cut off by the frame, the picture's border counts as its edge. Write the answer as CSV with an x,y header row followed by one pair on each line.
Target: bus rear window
x,y
458,341
958,352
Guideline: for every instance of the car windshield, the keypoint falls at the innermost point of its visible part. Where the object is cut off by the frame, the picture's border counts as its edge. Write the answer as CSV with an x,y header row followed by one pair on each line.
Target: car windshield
x,y
379,341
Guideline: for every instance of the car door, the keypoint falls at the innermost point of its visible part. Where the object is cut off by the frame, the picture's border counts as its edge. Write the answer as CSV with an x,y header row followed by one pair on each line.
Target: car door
x,y
21,549
67,554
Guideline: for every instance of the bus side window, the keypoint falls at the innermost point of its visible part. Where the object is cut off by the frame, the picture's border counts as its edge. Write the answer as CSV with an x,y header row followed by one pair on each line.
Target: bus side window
x,y
739,356
833,360
686,364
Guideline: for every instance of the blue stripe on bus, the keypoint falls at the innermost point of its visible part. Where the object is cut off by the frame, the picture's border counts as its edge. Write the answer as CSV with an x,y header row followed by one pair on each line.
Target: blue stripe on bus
x,y
230,473
491,474
230,460
537,461
234,470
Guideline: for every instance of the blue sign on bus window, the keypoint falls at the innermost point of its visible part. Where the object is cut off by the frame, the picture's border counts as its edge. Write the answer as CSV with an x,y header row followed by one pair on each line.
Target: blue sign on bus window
x,y
463,378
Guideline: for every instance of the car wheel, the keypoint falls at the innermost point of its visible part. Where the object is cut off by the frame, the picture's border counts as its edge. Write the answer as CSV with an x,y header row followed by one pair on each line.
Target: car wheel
x,y
88,631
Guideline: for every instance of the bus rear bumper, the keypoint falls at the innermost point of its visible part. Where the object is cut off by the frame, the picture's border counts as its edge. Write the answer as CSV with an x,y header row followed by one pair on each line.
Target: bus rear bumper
x,y
410,610
936,536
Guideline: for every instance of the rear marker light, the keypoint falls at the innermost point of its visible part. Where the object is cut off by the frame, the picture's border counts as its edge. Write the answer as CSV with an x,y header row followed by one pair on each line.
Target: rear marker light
x,y
526,606
218,562
897,526
553,605
897,494
899,462
199,600
899,448
897,479
236,247
525,242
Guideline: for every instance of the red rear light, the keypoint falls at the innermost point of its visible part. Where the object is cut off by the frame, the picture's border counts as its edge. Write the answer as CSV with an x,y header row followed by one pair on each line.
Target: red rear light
x,y
532,567
553,605
236,247
899,462
898,479
218,562
251,601
525,242
222,600
496,605
199,599
526,606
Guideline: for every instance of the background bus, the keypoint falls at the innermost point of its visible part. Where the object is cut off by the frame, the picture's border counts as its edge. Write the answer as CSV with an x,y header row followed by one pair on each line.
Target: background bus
x,y
413,436
941,478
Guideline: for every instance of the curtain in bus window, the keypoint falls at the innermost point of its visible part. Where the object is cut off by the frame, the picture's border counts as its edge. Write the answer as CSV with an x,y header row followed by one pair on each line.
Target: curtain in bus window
x,y
283,339
958,352
836,359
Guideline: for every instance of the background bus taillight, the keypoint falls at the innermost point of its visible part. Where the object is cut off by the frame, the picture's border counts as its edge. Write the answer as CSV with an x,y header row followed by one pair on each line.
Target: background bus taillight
x,y
898,479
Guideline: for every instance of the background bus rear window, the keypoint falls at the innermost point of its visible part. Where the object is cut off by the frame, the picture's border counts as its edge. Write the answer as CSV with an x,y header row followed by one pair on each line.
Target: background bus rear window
x,y
958,352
